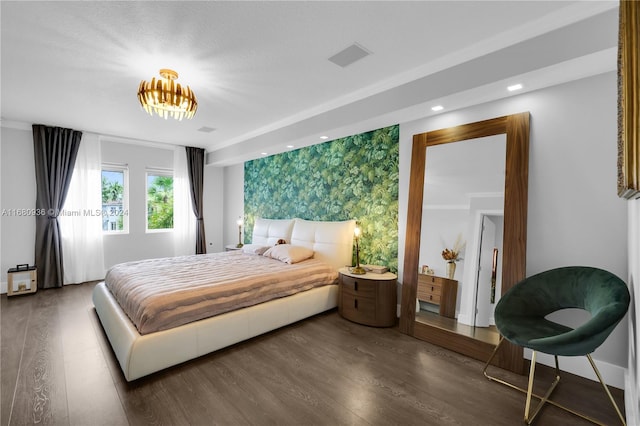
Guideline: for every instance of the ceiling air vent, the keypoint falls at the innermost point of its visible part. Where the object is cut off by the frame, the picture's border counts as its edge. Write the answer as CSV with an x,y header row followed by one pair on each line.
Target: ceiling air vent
x,y
351,54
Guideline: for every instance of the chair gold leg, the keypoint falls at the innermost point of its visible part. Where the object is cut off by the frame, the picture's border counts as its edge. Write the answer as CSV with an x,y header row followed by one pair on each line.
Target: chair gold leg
x,y
529,419
545,398
606,389
527,405
495,379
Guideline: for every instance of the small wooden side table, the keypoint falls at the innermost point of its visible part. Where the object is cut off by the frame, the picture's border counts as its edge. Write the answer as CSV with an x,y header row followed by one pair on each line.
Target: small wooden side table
x,y
22,279
439,291
368,299
231,247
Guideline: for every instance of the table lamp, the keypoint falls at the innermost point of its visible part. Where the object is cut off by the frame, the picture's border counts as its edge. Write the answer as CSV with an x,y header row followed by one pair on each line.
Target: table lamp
x,y
239,222
358,270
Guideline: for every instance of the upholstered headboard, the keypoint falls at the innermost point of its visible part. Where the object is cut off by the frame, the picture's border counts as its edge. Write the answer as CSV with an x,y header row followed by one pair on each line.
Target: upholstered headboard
x,y
269,231
331,242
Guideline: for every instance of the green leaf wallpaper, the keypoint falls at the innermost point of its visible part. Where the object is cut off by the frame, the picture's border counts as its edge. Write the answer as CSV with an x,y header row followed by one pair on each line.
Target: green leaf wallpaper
x,y
349,178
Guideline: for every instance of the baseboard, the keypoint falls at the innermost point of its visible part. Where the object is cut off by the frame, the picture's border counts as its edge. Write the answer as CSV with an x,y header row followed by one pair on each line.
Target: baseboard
x,y
613,375
631,404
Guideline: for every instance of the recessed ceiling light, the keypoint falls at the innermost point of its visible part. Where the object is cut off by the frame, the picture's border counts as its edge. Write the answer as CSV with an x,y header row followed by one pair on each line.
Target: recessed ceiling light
x,y
324,137
514,87
437,108
289,146
263,153
206,129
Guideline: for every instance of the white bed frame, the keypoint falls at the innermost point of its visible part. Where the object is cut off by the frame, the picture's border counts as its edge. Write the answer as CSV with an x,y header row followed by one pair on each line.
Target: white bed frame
x,y
140,355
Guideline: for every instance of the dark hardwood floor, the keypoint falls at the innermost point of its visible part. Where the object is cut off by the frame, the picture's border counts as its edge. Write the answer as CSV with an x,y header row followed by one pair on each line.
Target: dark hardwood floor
x,y
58,369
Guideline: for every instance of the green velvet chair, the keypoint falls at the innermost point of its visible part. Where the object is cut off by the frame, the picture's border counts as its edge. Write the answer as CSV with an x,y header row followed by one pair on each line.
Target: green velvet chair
x,y
520,317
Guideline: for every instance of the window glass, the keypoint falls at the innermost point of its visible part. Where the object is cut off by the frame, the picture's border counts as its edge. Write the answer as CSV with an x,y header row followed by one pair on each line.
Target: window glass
x,y
159,200
114,199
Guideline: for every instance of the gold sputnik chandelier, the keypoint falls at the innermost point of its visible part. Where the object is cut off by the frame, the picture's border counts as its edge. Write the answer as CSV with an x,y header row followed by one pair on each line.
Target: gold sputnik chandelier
x,y
166,97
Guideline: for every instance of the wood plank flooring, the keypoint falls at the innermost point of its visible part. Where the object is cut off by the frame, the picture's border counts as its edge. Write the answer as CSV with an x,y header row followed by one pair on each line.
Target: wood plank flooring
x,y
58,369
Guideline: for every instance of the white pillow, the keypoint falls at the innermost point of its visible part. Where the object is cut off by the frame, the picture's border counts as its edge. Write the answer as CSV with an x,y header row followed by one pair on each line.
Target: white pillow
x,y
254,248
288,253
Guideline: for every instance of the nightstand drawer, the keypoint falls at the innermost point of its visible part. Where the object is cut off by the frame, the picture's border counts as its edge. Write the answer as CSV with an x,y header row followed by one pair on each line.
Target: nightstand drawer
x,y
359,287
435,289
358,309
429,279
427,296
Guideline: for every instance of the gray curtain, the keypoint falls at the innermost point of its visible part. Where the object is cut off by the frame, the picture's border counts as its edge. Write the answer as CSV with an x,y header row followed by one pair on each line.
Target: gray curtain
x,y
195,164
55,150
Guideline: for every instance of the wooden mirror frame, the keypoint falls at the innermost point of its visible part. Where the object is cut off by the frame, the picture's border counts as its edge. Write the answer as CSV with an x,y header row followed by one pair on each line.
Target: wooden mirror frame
x,y
516,128
628,109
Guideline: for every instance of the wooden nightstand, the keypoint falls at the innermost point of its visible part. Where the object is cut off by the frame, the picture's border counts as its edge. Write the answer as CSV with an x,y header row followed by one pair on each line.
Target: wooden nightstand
x,y
439,291
231,247
368,299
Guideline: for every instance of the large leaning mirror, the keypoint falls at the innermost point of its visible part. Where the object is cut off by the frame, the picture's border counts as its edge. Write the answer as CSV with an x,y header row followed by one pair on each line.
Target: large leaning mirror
x,y
468,189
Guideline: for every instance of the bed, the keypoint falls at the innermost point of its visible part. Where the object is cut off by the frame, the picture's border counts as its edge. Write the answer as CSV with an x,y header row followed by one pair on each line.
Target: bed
x,y
140,354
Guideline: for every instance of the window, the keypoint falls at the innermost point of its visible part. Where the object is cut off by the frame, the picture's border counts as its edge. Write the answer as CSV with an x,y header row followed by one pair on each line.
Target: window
x,y
115,210
159,200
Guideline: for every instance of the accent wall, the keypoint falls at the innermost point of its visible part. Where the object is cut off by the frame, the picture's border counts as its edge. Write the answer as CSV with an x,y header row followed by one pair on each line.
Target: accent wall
x,y
355,177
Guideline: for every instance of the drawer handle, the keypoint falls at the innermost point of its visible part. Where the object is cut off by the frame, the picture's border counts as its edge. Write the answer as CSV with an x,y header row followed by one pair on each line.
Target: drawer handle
x,y
355,285
431,288
355,303
430,297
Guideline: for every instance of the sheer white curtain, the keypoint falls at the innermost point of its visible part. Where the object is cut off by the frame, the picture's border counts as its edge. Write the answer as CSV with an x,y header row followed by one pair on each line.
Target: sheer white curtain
x,y
184,221
81,223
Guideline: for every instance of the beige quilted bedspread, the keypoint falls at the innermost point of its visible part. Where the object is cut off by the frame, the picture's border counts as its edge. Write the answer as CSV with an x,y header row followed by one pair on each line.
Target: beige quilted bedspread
x,y
159,294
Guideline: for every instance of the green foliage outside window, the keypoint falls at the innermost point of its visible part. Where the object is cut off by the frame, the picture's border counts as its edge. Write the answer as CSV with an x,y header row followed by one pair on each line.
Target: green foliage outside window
x,y
111,191
159,202
349,178
112,200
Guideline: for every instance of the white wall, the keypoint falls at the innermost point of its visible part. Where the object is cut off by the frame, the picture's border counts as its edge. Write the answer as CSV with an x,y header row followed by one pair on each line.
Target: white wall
x,y
213,184
632,382
223,204
137,243
575,216
2,280
18,191
233,202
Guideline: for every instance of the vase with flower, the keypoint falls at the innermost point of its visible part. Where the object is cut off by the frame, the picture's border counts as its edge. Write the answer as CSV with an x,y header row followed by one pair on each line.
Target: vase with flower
x,y
452,255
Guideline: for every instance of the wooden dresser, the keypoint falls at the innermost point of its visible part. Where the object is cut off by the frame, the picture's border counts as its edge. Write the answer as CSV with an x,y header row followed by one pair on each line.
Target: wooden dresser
x,y
439,291
368,299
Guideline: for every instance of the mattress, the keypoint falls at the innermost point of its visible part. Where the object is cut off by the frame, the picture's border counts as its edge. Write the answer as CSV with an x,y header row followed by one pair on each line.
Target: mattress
x,y
160,294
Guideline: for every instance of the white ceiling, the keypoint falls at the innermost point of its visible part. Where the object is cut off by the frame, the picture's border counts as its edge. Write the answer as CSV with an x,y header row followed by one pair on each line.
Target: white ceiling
x,y
261,72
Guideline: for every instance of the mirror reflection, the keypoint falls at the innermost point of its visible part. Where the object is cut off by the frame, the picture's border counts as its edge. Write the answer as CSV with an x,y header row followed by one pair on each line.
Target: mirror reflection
x,y
460,260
